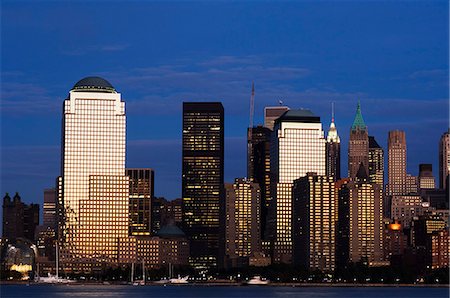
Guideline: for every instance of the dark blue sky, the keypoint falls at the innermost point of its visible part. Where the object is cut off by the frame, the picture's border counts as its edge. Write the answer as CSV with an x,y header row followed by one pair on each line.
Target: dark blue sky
x,y
392,56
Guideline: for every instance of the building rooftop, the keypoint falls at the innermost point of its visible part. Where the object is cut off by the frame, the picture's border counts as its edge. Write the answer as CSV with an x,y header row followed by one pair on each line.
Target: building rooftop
x,y
170,230
358,123
93,84
301,115
373,143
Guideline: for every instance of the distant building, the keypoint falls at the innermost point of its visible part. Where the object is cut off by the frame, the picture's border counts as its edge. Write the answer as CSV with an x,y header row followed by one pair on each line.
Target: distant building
x,y
19,219
376,162
273,113
343,224
412,184
438,198
358,146
314,222
405,208
426,178
49,209
243,226
174,212
444,160
258,169
395,241
297,147
333,152
168,247
141,192
202,181
397,178
366,214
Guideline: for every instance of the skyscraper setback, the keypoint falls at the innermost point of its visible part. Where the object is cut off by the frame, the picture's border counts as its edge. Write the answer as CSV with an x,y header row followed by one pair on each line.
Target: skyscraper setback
x,y
297,147
94,186
358,146
202,180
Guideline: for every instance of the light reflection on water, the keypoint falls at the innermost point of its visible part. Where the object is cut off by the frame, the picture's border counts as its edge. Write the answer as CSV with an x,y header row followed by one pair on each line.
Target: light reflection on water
x,y
113,291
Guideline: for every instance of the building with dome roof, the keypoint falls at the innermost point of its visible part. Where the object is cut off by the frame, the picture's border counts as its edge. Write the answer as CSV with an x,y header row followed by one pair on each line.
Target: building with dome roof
x,y
94,189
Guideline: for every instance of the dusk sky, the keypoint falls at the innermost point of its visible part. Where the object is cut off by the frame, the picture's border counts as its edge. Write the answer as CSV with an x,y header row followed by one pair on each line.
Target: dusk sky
x,y
392,56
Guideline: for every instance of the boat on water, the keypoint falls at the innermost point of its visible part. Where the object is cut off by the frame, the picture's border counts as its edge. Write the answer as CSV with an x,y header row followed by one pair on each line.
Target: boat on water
x,y
53,279
257,280
179,280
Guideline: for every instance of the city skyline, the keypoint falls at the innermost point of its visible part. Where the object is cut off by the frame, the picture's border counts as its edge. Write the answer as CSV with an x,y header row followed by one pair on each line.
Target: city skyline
x,y
155,86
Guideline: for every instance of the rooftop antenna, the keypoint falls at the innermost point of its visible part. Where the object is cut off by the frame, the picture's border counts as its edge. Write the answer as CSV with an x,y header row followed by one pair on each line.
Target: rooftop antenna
x,y
332,111
252,105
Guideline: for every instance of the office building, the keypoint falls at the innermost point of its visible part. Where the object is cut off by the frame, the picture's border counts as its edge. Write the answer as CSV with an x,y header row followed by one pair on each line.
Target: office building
x,y
366,219
398,183
202,180
258,168
94,187
358,145
395,241
444,160
426,178
333,152
405,208
19,219
141,192
49,209
343,224
243,226
297,147
376,162
273,113
314,222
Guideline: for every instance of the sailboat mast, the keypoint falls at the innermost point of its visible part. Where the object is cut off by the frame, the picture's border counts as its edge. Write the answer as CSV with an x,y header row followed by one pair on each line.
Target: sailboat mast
x,y
132,272
143,270
57,260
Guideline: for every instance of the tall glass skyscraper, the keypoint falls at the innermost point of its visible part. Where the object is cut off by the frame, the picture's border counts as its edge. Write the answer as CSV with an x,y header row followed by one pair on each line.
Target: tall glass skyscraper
x,y
298,147
94,187
397,178
202,181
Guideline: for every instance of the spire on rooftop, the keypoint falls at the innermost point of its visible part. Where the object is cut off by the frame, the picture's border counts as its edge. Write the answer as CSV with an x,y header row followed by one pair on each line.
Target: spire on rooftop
x,y
358,123
332,132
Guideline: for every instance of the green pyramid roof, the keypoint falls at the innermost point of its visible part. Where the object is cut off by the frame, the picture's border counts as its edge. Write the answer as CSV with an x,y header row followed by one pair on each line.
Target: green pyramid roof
x,y
358,123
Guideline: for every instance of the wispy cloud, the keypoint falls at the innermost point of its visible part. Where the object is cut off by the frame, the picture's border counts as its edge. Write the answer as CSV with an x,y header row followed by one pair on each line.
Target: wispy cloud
x,y
87,49
429,73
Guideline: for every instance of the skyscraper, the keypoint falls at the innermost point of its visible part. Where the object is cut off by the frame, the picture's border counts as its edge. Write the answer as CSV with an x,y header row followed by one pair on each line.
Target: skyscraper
x,y
358,146
297,147
243,216
49,208
94,186
444,160
397,181
333,152
202,180
314,222
140,204
376,162
366,219
426,178
258,167
273,113
19,219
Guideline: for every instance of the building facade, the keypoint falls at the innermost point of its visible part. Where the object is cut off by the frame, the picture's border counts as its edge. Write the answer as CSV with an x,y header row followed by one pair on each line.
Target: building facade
x,y
358,145
141,194
243,221
314,222
365,220
19,219
426,178
397,177
405,208
94,187
444,160
258,168
376,162
202,180
297,147
49,209
333,153
273,113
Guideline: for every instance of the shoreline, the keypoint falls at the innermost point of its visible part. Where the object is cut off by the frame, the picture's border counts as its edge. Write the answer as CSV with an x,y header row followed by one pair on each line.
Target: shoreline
x,y
234,284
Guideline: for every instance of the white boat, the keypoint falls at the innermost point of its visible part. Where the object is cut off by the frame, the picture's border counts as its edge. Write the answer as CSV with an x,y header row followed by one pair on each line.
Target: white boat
x,y
179,280
53,279
256,280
